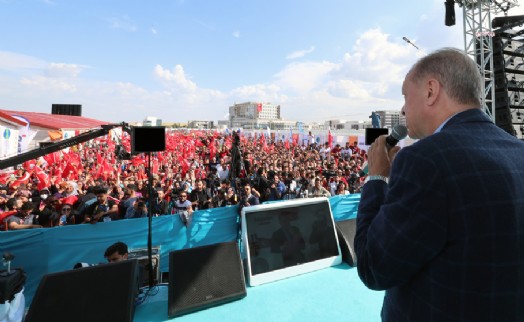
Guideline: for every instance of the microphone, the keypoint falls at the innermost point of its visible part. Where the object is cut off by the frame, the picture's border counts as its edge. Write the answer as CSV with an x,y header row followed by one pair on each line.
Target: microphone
x,y
399,132
409,42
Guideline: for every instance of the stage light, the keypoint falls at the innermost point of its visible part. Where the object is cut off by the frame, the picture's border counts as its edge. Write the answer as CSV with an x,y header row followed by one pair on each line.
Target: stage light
x,y
450,13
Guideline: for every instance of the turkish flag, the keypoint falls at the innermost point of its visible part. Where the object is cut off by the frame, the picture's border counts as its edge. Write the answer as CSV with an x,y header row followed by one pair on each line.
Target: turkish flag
x,y
43,178
22,180
259,107
70,200
29,165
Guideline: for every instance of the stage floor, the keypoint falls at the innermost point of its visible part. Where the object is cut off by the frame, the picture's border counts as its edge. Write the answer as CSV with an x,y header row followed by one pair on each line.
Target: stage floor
x,y
331,294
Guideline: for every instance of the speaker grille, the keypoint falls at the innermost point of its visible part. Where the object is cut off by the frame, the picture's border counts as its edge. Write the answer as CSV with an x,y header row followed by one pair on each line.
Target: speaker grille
x,y
203,277
99,293
67,109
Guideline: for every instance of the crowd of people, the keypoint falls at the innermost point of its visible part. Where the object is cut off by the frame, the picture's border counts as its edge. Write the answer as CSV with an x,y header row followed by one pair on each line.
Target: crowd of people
x,y
92,182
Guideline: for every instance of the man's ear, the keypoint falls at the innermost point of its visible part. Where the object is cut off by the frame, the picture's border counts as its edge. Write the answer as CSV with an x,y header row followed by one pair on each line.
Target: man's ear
x,y
433,89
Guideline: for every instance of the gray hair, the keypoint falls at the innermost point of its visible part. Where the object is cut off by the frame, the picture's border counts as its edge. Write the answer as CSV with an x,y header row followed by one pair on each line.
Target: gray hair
x,y
455,70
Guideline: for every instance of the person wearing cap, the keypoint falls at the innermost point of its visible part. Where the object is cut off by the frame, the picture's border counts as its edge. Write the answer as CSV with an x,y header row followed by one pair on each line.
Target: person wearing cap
x,y
103,209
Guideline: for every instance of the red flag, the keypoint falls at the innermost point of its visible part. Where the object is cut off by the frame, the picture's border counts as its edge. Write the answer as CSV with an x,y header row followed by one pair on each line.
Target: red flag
x,y
330,139
155,167
141,175
52,158
263,141
295,139
29,165
22,180
70,200
70,172
98,158
43,178
212,148
117,201
259,107
6,214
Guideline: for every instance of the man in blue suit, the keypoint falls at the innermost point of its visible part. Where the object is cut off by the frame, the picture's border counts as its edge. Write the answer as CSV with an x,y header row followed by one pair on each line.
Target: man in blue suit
x,y
440,225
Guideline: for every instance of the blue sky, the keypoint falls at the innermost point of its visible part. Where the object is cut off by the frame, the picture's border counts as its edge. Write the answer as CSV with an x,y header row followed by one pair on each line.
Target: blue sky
x,y
182,60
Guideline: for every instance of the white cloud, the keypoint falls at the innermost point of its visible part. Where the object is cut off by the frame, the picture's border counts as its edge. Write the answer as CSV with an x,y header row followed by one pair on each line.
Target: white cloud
x,y
304,77
122,23
40,83
366,78
300,53
13,61
64,70
236,34
259,92
176,78
154,31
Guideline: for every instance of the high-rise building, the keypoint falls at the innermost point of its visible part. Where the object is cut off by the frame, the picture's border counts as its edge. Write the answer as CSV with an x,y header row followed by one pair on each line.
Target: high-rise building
x,y
252,115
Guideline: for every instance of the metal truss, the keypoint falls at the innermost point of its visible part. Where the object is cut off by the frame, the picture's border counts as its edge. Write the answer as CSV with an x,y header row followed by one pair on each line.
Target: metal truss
x,y
477,41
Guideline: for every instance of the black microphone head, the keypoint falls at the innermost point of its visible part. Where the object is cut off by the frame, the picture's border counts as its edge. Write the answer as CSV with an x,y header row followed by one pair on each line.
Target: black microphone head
x,y
405,39
399,132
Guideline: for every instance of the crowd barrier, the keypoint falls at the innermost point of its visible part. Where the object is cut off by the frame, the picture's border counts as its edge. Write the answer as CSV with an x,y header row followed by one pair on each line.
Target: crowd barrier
x,y
48,250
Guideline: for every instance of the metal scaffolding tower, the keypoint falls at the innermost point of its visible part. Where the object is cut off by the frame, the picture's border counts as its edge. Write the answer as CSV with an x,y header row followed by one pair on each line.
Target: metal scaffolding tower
x,y
477,40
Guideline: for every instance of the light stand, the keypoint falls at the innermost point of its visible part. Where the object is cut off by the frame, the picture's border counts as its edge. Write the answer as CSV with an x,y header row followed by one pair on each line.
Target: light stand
x,y
147,139
150,222
237,165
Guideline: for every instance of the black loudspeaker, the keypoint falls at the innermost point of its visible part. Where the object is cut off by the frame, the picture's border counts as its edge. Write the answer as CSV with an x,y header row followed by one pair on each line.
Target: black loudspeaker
x,y
346,230
104,292
67,109
450,13
503,119
148,139
11,283
203,277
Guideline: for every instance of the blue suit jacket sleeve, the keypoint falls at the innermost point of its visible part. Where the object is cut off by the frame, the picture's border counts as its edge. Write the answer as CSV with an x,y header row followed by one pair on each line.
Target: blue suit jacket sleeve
x,y
400,226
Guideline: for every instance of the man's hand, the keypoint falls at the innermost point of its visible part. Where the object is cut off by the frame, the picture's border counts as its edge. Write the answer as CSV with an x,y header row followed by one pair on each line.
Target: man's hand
x,y
380,158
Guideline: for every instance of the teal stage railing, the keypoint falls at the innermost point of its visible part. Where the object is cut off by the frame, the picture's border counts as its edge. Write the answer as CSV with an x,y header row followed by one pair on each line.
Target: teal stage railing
x,y
42,251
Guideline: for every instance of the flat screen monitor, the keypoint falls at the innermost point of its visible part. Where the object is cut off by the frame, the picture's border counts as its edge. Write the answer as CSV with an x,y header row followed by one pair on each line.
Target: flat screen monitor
x,y
288,238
